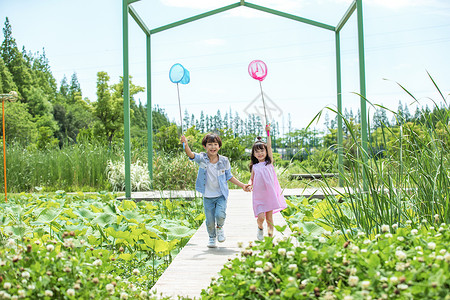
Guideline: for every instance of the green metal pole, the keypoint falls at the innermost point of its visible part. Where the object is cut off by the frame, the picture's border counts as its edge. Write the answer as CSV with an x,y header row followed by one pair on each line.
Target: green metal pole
x,y
149,110
126,102
340,138
362,87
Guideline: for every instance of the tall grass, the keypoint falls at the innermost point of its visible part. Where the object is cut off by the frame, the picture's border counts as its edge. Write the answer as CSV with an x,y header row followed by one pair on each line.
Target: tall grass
x,y
410,185
72,168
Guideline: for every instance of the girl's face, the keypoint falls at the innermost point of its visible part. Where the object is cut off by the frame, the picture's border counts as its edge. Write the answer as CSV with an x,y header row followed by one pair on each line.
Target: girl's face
x,y
212,149
260,154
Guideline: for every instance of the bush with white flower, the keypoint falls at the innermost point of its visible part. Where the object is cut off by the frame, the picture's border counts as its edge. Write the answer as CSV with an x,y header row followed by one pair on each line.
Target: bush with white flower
x,y
385,266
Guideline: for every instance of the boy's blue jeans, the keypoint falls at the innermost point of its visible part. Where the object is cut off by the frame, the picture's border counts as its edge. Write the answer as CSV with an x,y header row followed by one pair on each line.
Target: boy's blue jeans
x,y
215,213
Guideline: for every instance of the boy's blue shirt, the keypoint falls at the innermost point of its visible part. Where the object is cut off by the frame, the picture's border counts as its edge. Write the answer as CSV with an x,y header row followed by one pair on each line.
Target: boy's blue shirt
x,y
223,166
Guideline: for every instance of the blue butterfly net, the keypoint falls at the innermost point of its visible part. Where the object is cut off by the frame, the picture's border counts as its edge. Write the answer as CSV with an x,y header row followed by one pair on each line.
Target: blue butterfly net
x,y
178,74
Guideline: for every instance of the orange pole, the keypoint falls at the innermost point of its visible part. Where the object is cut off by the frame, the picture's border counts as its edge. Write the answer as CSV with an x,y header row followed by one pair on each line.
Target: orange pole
x,y
4,147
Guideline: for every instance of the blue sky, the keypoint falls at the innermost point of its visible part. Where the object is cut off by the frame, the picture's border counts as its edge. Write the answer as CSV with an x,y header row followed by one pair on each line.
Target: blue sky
x,y
403,40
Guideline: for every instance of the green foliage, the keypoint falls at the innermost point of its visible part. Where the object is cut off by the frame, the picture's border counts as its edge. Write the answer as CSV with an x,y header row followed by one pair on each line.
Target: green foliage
x,y
173,172
167,139
19,125
400,263
103,248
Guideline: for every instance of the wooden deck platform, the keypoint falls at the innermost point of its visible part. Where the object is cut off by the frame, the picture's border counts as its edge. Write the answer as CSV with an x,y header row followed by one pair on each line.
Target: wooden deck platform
x,y
192,269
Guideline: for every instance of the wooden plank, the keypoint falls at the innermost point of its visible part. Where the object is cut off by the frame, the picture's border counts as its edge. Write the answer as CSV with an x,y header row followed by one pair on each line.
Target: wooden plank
x,y
192,269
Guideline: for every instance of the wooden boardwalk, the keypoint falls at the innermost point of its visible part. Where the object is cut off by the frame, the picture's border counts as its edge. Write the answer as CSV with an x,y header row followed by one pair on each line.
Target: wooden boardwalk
x,y
192,269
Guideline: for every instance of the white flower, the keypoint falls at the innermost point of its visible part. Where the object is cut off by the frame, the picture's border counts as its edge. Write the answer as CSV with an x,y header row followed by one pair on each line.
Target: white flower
x,y
267,254
365,284
304,252
22,293
383,279
31,287
353,270
290,254
394,280
400,266
436,217
432,228
258,263
338,232
37,242
322,240
414,231
353,280
25,274
354,249
409,222
338,254
348,297
384,228
400,255
447,257
70,292
431,246
400,238
394,226
97,262
402,286
367,242
329,296
376,252
282,251
143,295
439,257
326,232
136,272
109,287
259,271
388,235
360,234
50,248
7,285
48,293
11,243
123,295
292,267
363,250
268,266
291,279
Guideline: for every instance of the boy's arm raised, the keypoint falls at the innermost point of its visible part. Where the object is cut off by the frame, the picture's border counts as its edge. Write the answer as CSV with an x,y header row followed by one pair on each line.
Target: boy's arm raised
x,y
188,151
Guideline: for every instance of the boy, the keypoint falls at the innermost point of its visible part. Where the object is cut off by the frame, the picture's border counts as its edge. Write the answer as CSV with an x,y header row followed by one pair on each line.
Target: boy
x,y
213,173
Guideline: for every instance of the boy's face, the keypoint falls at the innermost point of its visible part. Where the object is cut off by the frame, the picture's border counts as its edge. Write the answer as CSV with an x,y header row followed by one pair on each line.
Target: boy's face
x,y
212,148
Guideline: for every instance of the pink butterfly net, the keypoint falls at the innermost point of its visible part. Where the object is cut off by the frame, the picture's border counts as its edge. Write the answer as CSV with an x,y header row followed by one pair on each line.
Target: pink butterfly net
x,y
257,70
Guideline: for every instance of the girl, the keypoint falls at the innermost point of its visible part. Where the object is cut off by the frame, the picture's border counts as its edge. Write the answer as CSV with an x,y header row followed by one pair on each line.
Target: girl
x,y
267,193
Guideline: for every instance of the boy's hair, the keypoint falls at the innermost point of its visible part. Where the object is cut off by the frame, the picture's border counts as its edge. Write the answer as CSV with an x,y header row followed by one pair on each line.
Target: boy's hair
x,y
212,138
259,145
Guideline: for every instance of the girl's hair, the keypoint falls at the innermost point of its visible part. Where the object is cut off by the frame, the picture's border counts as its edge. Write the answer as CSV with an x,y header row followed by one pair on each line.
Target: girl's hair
x,y
212,138
259,145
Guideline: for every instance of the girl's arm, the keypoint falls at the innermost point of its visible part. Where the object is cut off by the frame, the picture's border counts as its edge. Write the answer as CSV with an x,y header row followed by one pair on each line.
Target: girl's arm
x,y
250,182
188,151
238,183
269,143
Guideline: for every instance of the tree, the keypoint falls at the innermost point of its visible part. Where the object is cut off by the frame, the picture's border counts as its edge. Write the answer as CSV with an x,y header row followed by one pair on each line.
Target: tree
x,y
74,88
6,79
109,106
15,62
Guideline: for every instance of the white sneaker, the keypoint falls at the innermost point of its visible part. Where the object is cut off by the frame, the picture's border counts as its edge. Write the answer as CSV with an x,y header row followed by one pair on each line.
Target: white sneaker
x,y
220,235
211,243
260,234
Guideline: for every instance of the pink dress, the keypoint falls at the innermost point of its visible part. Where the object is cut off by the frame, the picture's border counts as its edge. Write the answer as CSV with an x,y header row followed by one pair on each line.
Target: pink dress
x,y
267,193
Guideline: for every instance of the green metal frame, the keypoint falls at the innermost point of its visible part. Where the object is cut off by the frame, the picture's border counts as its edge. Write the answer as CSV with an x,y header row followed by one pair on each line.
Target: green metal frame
x,y
128,9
